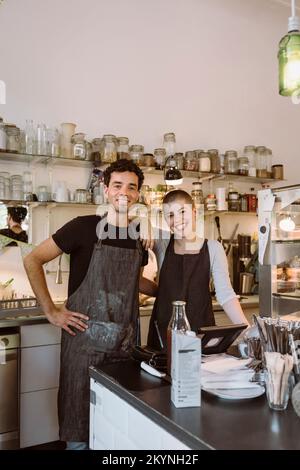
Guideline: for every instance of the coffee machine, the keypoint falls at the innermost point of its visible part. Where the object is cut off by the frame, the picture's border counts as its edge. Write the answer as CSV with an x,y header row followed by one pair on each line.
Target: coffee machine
x,y
243,279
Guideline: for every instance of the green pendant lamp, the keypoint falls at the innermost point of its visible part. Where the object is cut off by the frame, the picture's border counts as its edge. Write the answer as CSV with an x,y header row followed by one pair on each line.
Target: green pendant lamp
x,y
289,57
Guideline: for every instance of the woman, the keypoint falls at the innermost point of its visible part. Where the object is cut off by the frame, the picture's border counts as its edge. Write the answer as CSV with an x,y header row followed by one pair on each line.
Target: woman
x,y
185,263
15,217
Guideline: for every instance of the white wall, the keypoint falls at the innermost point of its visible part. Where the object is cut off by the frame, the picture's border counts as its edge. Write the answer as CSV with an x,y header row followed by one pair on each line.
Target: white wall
x,y
205,69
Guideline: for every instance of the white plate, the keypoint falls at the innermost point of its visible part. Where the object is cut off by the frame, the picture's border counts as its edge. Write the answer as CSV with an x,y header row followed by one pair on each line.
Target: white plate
x,y
237,394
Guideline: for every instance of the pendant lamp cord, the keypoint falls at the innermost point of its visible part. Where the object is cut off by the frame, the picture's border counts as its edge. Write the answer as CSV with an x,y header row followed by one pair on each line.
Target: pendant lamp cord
x,y
293,4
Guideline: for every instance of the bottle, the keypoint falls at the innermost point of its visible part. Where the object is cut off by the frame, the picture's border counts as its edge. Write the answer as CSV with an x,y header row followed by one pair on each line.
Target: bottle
x,y
178,322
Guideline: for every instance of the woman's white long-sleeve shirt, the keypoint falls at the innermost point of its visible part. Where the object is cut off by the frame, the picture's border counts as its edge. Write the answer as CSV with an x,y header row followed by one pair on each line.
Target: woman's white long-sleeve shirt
x,y
218,265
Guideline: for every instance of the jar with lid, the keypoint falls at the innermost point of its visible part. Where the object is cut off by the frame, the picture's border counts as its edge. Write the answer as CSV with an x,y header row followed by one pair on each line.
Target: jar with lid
x,y
233,199
191,161
2,136
231,162
96,149
204,161
81,196
109,148
197,193
269,158
136,154
170,143
123,148
211,202
160,156
261,162
78,141
214,160
179,159
243,165
252,201
178,322
12,138
250,153
243,203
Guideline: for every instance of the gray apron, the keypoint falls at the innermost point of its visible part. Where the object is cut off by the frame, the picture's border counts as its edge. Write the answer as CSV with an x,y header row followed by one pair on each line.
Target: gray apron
x,y
109,296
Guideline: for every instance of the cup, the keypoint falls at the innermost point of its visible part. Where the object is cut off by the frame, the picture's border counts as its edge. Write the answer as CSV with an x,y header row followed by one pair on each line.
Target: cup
x,y
277,390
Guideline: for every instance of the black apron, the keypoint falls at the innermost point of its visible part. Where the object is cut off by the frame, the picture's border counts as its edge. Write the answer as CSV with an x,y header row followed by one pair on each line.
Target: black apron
x,y
109,296
182,277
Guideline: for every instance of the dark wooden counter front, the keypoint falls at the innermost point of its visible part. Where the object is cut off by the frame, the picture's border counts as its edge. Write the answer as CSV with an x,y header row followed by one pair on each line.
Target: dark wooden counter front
x,y
217,424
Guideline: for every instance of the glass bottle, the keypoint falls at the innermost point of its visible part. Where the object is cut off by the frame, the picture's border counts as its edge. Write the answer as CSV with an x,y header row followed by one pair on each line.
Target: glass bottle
x,y
252,201
178,322
123,148
29,137
41,139
160,156
136,153
170,143
109,148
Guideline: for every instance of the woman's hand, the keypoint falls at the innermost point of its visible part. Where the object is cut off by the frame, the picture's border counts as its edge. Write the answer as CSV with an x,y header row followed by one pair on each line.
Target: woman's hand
x,y
63,318
146,233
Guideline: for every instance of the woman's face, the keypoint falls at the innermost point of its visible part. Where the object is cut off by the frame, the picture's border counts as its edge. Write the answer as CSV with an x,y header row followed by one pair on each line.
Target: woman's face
x,y
180,217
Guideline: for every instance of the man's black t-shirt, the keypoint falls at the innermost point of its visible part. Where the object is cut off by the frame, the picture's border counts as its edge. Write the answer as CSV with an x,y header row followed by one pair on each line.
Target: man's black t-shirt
x,y
78,238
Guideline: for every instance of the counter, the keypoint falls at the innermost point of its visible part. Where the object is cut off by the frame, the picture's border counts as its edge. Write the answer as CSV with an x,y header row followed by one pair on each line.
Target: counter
x,y
217,424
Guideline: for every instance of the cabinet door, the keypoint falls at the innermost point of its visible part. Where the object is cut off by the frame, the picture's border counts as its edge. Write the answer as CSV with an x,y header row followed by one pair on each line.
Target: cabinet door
x,y
38,335
38,418
40,368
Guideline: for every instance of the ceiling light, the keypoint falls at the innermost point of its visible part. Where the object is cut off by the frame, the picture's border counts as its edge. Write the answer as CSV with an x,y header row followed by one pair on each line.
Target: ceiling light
x,y
289,57
287,224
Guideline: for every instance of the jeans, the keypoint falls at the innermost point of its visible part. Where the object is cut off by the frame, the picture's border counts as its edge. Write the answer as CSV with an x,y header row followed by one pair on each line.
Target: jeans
x,y
77,445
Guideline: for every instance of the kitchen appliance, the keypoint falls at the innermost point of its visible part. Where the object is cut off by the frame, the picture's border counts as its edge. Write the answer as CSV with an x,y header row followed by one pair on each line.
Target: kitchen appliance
x,y
9,389
241,254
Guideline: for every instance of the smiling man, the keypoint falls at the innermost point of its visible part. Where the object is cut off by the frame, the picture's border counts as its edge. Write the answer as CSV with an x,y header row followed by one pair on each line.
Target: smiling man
x,y
100,319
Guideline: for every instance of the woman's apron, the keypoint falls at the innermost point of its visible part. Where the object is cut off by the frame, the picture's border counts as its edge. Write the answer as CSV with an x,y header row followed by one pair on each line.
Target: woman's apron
x,y
109,296
182,277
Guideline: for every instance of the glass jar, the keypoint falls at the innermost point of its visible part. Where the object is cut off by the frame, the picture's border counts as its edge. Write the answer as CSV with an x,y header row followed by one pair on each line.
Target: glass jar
x,y
2,136
243,203
243,165
96,149
170,143
261,162
231,162
67,130
12,138
78,141
136,153
197,193
211,202
123,148
191,161
233,201
179,159
148,159
81,196
252,201
214,160
249,152
109,148
160,156
204,162
269,158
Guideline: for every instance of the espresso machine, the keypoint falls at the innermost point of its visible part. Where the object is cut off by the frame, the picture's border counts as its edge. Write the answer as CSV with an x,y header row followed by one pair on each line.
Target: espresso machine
x,y
242,264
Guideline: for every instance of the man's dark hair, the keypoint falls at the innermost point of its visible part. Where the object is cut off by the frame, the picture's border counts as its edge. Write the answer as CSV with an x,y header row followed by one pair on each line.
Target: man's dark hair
x,y
121,166
18,213
176,194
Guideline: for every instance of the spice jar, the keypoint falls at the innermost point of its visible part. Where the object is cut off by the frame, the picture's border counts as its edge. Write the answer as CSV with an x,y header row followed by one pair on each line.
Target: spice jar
x,y
79,143
160,158
191,161
136,153
231,162
123,148
12,138
233,201
197,193
211,202
277,172
204,161
252,201
243,203
243,165
109,148
214,160
148,159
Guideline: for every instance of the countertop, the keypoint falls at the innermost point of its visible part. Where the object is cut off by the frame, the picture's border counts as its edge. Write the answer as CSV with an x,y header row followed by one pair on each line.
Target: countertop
x,y
218,424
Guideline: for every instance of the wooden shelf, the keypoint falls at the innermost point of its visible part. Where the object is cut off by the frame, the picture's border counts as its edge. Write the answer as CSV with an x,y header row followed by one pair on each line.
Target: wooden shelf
x,y
45,159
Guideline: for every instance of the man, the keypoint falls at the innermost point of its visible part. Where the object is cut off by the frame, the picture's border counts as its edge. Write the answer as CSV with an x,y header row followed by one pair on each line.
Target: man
x,y
99,320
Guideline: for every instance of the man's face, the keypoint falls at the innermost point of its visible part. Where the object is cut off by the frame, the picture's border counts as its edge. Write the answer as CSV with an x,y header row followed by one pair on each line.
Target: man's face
x,y
180,217
122,191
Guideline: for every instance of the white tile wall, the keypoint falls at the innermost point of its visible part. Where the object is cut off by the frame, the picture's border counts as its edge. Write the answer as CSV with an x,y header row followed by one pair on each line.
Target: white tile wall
x,y
116,425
